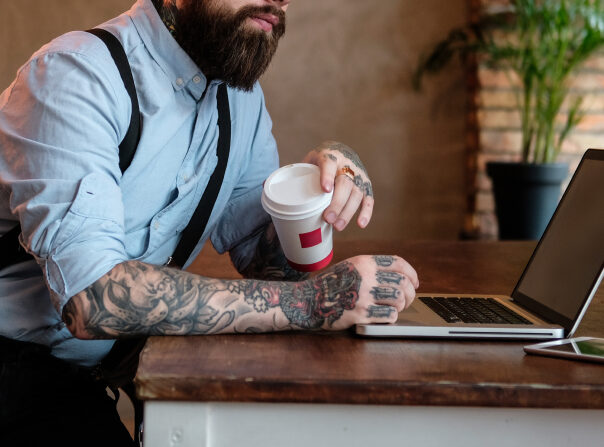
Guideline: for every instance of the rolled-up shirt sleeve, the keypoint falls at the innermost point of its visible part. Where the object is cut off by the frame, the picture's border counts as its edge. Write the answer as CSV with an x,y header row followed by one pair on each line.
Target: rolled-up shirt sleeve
x,y
60,126
243,220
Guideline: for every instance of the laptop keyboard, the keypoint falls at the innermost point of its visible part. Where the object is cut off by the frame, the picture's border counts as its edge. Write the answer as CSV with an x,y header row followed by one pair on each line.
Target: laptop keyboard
x,y
473,310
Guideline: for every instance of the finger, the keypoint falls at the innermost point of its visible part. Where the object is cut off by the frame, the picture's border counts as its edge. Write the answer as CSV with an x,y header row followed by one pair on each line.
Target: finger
x,y
366,212
341,194
382,314
328,165
392,288
310,157
350,208
409,291
396,263
409,272
389,296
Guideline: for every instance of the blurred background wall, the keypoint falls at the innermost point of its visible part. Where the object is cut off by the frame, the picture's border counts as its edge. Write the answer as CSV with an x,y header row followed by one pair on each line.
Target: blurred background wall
x,y
342,72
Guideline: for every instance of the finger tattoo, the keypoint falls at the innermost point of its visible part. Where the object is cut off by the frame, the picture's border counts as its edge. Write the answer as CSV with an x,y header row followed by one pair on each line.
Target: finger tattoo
x,y
384,261
331,157
365,187
348,153
379,311
385,277
353,157
385,293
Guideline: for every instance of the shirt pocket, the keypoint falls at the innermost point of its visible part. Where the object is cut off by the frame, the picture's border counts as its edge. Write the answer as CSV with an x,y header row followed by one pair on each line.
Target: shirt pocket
x,y
99,197
96,208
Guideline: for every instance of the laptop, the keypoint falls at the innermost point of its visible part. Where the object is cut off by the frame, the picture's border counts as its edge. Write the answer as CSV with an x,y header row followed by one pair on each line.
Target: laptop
x,y
553,292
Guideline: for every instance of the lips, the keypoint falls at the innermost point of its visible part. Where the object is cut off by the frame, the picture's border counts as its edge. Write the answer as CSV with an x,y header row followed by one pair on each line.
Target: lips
x,y
270,18
265,21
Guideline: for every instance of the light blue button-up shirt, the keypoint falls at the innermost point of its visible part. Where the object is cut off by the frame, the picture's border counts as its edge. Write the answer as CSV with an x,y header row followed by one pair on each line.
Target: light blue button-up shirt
x,y
61,122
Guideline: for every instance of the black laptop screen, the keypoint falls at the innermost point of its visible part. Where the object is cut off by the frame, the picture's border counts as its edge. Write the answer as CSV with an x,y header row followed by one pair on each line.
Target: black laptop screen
x,y
569,258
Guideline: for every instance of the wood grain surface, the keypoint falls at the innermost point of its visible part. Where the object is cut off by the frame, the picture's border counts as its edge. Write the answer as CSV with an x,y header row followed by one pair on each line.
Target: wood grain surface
x,y
345,368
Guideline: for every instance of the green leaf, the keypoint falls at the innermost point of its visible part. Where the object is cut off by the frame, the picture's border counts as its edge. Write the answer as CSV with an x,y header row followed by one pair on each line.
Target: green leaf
x,y
543,42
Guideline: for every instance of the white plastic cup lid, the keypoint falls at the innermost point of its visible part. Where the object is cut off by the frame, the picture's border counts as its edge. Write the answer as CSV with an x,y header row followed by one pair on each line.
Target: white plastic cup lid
x,y
294,192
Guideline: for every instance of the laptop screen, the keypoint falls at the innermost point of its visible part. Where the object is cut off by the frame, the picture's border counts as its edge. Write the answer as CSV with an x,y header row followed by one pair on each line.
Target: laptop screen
x,y
570,256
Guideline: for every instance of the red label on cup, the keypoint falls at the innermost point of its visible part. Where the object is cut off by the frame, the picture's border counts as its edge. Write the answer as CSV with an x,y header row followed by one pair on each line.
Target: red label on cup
x,y
311,238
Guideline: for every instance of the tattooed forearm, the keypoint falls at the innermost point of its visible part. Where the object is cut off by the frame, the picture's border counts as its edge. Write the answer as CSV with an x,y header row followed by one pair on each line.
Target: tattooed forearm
x,y
384,261
380,311
141,299
386,277
269,262
307,304
385,293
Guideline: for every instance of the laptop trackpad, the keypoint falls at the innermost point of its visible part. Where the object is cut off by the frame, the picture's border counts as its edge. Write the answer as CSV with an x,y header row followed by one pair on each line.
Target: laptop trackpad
x,y
419,315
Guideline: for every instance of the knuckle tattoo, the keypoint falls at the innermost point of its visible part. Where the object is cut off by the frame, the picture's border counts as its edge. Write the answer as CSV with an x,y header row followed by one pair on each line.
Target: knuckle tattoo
x,y
386,277
385,293
379,311
383,260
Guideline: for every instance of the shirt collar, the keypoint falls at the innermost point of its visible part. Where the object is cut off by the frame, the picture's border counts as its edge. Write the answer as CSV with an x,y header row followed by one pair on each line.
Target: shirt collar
x,y
171,58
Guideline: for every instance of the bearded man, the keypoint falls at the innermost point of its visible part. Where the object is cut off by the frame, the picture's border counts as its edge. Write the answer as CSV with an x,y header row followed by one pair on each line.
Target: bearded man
x,y
96,236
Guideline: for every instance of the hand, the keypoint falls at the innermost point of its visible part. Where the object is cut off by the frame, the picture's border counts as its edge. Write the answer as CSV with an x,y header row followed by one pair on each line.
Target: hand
x,y
363,289
351,192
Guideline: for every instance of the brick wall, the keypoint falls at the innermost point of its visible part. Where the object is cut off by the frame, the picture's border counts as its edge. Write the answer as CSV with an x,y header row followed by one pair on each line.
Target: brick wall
x,y
494,128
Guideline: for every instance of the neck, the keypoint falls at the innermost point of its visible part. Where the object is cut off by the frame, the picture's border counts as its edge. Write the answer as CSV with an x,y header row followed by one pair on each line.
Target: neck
x,y
167,13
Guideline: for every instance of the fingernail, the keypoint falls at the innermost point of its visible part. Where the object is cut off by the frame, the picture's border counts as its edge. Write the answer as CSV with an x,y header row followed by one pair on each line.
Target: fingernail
x,y
363,222
331,217
328,186
340,224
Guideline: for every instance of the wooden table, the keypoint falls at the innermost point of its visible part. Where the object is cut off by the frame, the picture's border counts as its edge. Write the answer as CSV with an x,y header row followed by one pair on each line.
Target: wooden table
x,y
301,389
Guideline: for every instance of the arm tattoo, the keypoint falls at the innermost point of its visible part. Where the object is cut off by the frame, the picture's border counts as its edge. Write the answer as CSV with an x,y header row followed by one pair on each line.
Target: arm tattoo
x,y
141,299
385,293
380,311
136,298
384,261
269,262
386,277
310,303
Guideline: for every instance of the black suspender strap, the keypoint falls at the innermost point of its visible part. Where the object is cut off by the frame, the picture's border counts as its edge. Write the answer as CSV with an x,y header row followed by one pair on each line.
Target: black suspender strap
x,y
194,230
130,141
11,251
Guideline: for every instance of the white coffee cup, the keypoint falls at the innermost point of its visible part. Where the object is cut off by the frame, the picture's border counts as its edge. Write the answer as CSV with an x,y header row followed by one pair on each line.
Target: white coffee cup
x,y
293,197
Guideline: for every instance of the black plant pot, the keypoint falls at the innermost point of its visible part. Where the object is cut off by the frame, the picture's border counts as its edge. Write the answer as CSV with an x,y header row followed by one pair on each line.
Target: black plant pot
x,y
526,196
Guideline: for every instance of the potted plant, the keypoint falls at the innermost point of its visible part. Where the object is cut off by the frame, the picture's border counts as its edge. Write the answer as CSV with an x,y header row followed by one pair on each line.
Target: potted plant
x,y
539,44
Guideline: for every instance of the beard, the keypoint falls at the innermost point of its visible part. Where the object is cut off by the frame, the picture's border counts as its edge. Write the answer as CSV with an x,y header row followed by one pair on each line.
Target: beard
x,y
223,45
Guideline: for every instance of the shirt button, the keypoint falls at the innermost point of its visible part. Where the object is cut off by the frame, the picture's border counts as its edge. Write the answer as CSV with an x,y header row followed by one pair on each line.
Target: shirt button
x,y
179,81
197,79
156,225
